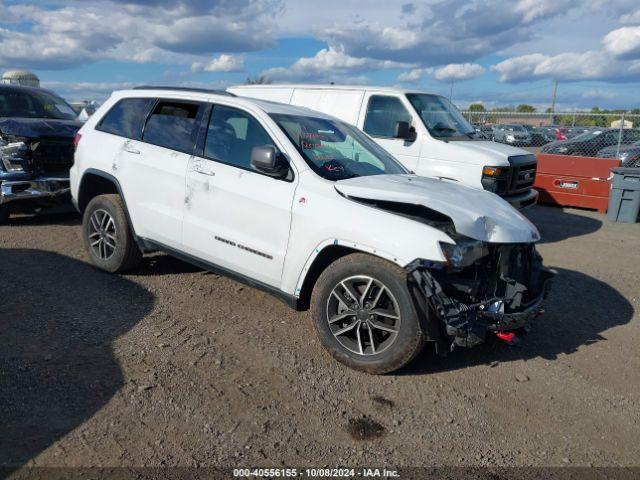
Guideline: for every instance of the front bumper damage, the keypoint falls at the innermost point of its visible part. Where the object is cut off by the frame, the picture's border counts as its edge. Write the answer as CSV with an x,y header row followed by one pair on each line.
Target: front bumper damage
x,y
502,292
32,171
43,187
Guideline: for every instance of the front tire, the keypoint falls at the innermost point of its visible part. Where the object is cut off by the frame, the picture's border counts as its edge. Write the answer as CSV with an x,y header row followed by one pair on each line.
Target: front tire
x,y
107,235
364,314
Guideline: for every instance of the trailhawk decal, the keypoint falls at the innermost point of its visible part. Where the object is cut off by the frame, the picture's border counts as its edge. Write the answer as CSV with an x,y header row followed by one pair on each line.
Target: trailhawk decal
x,y
243,247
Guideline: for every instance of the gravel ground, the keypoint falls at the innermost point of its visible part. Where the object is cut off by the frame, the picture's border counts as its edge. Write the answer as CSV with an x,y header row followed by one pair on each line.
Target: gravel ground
x,y
172,365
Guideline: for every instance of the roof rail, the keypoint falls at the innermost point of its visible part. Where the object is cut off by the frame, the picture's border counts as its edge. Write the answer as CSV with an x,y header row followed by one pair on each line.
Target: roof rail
x,y
184,89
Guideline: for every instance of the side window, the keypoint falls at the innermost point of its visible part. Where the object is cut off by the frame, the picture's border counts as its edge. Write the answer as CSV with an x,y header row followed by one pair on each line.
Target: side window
x,y
231,136
174,125
126,118
630,136
382,114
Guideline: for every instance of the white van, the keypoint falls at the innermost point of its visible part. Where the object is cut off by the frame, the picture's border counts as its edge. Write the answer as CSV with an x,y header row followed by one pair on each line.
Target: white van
x,y
425,132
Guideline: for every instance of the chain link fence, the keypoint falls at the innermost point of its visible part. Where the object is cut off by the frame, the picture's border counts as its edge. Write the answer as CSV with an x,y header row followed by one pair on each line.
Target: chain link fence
x,y
605,135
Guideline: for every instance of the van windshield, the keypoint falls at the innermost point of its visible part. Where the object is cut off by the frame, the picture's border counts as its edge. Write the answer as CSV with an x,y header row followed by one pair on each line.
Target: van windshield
x,y
441,117
335,150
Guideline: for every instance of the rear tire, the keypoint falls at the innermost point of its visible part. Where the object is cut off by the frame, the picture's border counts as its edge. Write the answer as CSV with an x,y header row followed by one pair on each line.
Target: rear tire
x,y
364,314
107,235
5,213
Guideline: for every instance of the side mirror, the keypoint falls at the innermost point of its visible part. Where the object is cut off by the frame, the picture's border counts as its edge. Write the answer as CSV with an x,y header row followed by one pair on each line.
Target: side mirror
x,y
405,131
269,161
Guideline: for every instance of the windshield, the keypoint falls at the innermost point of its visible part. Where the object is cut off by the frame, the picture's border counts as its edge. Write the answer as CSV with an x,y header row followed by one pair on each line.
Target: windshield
x,y
34,104
587,135
335,150
514,128
440,116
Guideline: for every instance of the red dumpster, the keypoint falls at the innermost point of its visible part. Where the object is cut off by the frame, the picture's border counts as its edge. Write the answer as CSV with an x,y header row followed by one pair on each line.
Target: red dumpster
x,y
574,181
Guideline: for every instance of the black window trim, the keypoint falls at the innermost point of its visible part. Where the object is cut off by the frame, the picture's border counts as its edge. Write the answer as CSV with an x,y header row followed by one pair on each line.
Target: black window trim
x,y
367,111
198,120
150,108
205,131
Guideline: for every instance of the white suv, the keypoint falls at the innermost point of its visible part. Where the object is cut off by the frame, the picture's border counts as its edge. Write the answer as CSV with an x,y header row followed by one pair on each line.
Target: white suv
x,y
311,209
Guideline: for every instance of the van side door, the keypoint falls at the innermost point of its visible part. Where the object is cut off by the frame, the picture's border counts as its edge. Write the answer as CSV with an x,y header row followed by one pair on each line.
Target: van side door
x,y
236,217
378,119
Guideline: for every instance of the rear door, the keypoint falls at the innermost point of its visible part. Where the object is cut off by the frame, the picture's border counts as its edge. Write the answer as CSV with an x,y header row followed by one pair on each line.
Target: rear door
x,y
152,171
237,218
381,114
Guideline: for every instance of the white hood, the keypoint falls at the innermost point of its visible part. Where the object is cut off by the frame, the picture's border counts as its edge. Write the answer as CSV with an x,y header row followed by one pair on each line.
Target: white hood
x,y
479,152
475,213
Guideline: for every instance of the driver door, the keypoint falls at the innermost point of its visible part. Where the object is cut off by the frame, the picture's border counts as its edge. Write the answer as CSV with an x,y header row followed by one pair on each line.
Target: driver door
x,y
381,114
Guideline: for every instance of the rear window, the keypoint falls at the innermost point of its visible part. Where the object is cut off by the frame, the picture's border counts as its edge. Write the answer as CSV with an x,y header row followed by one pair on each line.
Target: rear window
x,y
173,125
126,118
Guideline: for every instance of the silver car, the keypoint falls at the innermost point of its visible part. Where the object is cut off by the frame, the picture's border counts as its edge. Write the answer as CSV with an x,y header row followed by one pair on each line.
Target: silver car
x,y
512,135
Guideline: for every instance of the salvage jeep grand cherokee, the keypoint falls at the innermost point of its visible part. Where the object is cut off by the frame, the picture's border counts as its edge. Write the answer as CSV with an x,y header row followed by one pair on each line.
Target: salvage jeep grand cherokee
x,y
311,209
37,129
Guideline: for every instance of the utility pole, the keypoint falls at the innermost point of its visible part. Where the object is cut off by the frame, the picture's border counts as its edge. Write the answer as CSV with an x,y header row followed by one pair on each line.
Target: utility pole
x,y
451,91
553,99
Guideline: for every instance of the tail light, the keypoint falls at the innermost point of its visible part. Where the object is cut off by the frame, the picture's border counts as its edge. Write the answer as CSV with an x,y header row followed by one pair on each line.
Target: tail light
x,y
76,141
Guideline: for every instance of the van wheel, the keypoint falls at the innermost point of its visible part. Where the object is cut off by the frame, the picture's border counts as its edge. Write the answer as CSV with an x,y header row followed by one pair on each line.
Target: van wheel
x,y
107,235
364,315
5,213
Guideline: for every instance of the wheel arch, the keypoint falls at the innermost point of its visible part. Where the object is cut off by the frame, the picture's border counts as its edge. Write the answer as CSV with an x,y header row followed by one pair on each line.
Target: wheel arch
x,y
97,182
320,260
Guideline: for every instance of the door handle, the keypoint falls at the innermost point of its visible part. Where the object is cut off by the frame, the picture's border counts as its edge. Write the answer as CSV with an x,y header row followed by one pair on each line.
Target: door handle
x,y
203,170
130,149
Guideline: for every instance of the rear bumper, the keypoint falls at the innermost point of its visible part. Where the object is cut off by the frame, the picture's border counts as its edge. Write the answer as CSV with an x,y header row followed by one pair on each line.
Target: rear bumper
x,y
523,200
43,187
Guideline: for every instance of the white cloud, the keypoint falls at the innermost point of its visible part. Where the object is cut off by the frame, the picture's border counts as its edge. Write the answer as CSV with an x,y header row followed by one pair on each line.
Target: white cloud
x,y
448,31
590,65
75,33
623,42
414,75
631,18
223,63
458,71
328,65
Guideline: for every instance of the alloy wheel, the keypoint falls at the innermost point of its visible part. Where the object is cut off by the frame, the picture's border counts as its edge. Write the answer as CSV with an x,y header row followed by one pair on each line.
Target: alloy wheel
x,y
363,315
102,234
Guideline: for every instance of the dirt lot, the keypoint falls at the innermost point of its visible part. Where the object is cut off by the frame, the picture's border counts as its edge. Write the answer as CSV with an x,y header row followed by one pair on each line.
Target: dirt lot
x,y
175,366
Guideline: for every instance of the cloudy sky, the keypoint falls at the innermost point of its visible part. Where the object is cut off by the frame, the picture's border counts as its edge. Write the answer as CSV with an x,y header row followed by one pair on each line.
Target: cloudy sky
x,y
501,52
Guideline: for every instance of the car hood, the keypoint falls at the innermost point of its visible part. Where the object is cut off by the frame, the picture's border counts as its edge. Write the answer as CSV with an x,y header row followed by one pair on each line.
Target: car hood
x,y
623,148
475,213
495,148
558,143
38,127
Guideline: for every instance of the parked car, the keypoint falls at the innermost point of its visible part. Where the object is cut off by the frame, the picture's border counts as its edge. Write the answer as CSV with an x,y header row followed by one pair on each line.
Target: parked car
x,y
590,143
37,129
539,137
309,208
487,131
515,135
553,132
629,154
425,132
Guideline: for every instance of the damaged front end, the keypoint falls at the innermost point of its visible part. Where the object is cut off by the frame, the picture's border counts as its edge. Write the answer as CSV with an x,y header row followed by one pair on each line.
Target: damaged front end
x,y
34,169
483,288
